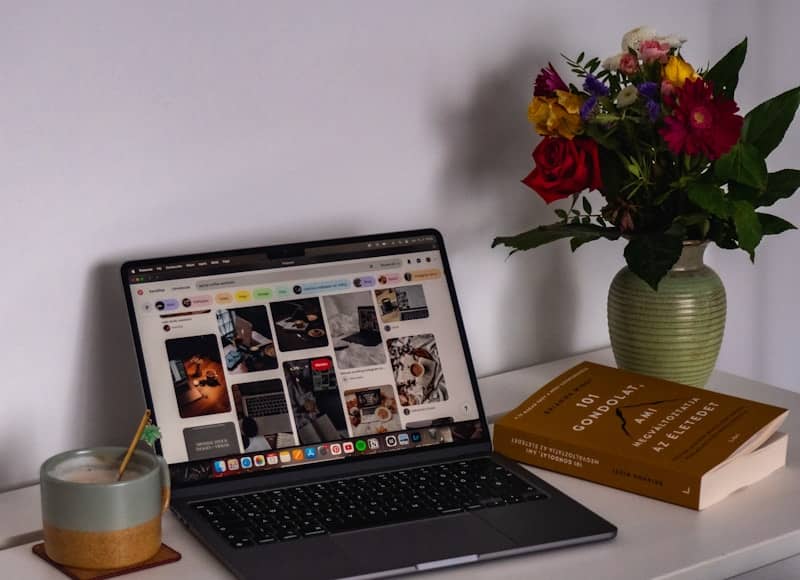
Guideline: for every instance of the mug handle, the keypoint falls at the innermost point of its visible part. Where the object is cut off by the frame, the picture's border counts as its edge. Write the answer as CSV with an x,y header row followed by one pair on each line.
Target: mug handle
x,y
165,485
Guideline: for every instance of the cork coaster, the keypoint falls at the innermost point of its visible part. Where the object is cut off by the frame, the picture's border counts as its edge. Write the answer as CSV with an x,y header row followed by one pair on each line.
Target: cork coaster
x,y
165,555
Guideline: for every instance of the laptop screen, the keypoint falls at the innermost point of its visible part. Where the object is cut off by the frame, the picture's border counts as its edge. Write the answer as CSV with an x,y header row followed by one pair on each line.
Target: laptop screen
x,y
275,358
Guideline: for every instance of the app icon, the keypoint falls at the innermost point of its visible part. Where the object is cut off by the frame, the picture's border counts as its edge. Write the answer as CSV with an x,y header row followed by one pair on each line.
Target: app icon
x,y
219,466
336,448
246,462
272,459
322,450
391,441
416,437
347,447
285,457
373,443
297,454
361,445
402,438
233,464
311,452
258,461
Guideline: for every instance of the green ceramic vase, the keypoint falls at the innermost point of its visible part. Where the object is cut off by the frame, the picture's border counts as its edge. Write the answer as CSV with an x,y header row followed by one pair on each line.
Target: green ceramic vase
x,y
674,333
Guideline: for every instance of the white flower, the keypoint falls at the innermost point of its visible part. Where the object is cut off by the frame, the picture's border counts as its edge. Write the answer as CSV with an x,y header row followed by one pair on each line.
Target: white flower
x,y
627,96
673,40
633,37
612,62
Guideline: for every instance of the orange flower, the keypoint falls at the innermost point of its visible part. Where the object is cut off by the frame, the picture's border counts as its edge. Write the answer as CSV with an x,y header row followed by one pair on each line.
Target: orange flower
x,y
557,116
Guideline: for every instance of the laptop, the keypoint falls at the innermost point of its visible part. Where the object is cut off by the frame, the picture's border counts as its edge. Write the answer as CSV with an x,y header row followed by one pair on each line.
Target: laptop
x,y
269,411
422,490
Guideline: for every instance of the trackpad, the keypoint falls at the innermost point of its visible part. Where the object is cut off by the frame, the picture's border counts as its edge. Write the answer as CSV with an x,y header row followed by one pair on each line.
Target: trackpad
x,y
405,545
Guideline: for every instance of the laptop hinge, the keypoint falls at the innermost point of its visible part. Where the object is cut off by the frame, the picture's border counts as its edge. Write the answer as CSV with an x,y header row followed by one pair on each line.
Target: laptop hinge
x,y
290,476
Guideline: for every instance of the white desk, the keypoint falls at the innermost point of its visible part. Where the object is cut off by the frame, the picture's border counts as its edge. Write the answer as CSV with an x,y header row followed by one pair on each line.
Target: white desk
x,y
754,527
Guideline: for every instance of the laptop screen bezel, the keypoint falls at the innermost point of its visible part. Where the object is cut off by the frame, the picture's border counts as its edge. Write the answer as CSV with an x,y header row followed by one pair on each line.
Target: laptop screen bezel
x,y
476,447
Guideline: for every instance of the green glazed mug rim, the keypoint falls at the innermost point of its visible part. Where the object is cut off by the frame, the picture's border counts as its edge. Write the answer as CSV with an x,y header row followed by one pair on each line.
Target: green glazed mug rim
x,y
152,460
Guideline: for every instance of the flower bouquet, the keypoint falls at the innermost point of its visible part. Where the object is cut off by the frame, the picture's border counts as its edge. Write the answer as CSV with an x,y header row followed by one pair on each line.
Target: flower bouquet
x,y
665,146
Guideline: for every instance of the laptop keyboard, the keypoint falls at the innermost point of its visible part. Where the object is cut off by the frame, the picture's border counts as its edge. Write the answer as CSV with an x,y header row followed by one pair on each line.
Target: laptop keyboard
x,y
363,502
266,406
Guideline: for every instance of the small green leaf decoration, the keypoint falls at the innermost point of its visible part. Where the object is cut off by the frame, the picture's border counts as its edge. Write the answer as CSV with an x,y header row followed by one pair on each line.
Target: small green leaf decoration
x,y
748,227
743,164
765,126
772,225
780,185
151,434
711,198
725,74
587,207
651,256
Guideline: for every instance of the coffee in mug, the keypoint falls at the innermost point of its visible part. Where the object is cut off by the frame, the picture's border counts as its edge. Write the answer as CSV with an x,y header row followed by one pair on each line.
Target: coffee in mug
x,y
417,369
93,521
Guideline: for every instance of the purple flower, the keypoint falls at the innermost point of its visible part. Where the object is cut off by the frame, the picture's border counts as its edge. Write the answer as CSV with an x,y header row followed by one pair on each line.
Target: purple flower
x,y
649,89
587,108
653,109
548,82
594,86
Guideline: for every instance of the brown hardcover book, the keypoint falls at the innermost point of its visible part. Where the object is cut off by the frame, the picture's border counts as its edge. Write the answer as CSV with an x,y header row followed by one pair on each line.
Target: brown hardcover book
x,y
672,442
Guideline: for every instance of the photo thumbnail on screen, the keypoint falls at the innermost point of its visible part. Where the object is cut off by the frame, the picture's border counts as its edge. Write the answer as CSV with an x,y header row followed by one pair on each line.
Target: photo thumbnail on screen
x,y
417,370
402,303
263,413
316,400
247,344
372,410
299,324
197,376
355,330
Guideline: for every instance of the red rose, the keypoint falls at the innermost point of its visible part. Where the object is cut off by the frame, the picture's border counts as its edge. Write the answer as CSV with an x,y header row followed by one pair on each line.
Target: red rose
x,y
564,167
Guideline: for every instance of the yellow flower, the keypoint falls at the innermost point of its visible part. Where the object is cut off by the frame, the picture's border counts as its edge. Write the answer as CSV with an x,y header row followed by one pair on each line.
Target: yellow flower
x,y
556,116
678,71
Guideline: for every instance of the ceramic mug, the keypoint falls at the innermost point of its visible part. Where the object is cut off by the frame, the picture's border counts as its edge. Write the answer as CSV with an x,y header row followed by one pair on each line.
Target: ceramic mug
x,y
93,521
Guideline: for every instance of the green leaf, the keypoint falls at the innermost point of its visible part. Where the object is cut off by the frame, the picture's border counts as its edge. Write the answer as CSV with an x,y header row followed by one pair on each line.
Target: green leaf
x,y
725,74
587,207
651,256
780,185
765,126
709,197
737,191
697,223
576,243
612,170
561,213
743,164
748,227
550,233
772,225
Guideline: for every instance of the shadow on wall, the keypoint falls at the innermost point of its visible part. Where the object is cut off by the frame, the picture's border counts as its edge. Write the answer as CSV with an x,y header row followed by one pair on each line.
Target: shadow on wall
x,y
109,402
488,143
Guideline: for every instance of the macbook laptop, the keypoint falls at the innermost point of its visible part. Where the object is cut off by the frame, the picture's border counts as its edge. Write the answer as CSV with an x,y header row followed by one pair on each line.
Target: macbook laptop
x,y
422,491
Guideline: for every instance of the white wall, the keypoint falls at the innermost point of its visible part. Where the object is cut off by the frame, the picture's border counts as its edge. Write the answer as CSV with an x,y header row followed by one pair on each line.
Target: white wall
x,y
763,318
134,129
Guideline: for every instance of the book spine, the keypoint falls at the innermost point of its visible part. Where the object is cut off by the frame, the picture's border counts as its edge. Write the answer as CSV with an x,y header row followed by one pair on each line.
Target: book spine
x,y
605,468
